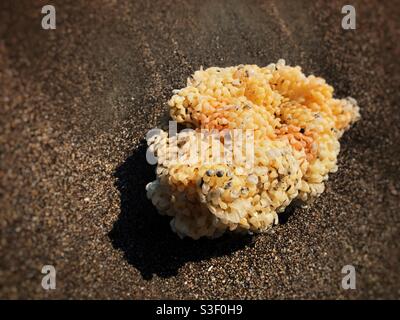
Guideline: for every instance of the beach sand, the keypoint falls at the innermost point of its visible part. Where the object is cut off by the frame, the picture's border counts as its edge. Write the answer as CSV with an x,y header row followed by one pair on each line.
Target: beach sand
x,y
76,102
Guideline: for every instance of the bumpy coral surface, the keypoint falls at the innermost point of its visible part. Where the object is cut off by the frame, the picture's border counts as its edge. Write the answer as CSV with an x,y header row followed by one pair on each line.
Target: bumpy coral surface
x,y
295,125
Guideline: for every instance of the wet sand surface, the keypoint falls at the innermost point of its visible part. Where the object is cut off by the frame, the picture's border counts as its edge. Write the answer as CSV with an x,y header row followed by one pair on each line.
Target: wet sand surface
x,y
76,102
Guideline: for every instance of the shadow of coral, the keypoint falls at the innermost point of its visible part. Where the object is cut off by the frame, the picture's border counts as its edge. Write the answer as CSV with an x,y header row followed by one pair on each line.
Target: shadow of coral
x,y
145,236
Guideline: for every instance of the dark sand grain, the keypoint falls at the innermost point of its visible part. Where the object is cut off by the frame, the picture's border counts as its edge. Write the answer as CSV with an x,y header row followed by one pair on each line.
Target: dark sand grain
x,y
75,104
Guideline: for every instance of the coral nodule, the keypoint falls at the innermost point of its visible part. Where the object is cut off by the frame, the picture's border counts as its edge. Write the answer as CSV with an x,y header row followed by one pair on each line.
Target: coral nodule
x,y
218,182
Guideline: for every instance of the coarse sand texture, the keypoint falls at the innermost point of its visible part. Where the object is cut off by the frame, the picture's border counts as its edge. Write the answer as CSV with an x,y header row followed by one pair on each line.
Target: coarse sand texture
x,y
295,124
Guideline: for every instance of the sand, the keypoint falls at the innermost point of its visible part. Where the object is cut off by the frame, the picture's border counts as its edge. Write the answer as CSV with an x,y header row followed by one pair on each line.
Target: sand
x,y
76,102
